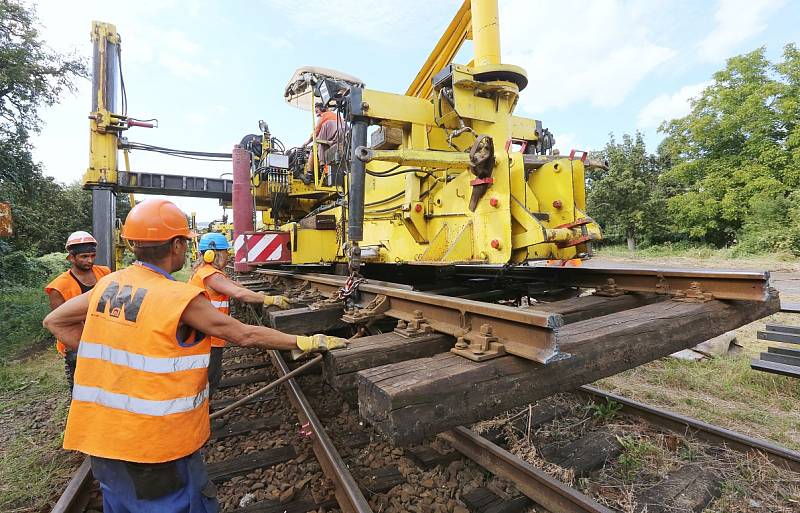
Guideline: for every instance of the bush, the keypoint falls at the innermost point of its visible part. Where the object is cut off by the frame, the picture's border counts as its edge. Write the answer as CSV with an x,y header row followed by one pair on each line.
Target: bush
x,y
55,263
23,303
21,312
18,269
772,226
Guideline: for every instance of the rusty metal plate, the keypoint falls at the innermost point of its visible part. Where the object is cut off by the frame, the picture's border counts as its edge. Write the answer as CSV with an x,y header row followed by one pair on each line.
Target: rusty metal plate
x,y
6,221
525,333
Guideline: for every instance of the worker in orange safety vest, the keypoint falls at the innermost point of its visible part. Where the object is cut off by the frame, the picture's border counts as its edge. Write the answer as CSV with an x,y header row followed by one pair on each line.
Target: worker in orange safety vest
x,y
81,277
209,275
140,400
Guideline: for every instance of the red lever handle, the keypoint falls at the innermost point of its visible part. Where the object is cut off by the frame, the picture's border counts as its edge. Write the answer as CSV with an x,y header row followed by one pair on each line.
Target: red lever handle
x,y
133,122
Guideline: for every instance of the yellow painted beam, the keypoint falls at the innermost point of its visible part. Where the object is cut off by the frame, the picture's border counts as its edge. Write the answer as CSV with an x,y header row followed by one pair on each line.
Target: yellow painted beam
x,y
534,232
397,107
419,158
103,138
444,52
485,33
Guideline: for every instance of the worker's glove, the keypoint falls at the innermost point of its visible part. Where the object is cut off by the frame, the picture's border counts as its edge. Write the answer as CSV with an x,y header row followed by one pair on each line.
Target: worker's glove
x,y
317,343
280,301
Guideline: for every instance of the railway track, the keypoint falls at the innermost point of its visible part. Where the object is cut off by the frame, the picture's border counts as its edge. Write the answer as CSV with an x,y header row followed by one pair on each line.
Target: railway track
x,y
260,457
385,476
258,454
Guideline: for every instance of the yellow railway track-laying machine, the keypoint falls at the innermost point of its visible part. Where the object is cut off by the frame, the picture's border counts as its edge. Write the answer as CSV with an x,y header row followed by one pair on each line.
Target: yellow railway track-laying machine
x,y
448,172
443,174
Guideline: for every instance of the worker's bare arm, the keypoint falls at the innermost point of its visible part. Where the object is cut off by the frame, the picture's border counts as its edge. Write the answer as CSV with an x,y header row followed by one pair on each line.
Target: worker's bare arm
x,y
225,285
56,299
66,321
202,316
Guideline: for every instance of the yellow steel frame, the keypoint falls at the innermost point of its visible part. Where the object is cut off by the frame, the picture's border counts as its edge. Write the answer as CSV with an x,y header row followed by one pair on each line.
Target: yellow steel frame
x,y
103,124
459,30
419,212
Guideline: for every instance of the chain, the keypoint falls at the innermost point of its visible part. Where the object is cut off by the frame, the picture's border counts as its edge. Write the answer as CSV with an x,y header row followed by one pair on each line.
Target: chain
x,y
350,287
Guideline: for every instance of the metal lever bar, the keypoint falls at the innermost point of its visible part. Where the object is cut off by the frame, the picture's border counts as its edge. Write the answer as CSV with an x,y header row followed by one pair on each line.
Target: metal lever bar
x,y
263,390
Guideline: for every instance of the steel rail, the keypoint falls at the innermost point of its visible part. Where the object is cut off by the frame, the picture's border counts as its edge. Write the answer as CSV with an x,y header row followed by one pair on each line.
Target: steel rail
x,y
348,495
545,490
722,284
715,435
526,333
77,492
347,492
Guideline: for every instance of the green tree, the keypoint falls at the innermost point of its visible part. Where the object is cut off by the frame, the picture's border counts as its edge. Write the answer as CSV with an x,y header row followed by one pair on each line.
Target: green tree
x,y
31,75
626,199
739,147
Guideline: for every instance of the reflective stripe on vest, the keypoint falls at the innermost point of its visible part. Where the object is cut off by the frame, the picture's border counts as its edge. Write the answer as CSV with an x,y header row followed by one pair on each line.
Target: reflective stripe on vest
x,y
142,362
139,395
136,405
221,304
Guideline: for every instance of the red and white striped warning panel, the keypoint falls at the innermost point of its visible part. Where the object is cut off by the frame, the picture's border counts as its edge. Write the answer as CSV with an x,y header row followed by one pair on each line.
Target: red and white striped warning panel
x,y
263,248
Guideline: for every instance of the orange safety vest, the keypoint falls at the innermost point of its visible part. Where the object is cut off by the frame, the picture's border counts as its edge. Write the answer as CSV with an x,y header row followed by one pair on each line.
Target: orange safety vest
x,y
220,301
324,118
66,285
141,394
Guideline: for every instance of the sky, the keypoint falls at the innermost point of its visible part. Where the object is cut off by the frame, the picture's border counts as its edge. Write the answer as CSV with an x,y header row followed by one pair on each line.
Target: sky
x,y
209,71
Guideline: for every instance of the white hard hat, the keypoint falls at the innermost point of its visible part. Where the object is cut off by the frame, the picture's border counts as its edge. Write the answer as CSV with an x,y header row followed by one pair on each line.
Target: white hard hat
x,y
80,237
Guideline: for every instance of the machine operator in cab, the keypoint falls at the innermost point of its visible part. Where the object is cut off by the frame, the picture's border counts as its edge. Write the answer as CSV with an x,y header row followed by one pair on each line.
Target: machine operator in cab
x,y
79,278
140,402
209,275
327,132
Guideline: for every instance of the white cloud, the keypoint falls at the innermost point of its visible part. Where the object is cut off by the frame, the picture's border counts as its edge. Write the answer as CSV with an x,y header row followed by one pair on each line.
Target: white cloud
x,y
183,67
371,20
566,141
276,41
670,106
736,21
599,60
179,42
66,27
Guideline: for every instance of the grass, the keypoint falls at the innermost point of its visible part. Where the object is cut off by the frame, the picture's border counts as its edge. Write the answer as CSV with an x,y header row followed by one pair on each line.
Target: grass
x,y
685,251
636,452
722,391
34,402
33,406
21,312
604,411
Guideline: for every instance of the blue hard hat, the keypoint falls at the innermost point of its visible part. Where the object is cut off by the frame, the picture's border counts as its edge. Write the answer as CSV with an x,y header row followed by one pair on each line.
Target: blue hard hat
x,y
213,240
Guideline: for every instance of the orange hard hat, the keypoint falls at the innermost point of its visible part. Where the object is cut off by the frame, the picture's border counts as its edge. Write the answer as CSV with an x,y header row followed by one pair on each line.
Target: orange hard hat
x,y
156,220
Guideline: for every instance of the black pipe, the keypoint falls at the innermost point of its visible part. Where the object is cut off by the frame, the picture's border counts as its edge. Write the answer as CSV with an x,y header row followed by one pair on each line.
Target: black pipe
x,y
355,215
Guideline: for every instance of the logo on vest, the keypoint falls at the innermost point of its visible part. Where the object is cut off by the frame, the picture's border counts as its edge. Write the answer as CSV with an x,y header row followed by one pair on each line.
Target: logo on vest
x,y
122,301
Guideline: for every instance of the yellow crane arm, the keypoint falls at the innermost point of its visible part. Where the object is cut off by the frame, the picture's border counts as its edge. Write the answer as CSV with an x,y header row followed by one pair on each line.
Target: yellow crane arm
x,y
459,30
